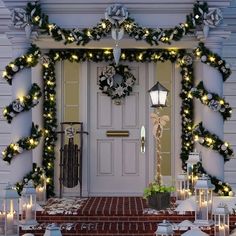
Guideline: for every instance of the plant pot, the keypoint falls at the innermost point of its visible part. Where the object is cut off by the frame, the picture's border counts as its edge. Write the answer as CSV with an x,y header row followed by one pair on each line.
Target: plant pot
x,y
159,201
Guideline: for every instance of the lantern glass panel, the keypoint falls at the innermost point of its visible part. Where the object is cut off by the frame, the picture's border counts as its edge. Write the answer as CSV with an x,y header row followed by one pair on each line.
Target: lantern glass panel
x,y
203,190
28,205
9,215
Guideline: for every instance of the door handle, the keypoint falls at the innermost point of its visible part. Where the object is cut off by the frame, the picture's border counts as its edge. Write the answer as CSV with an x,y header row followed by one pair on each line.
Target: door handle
x,y
142,139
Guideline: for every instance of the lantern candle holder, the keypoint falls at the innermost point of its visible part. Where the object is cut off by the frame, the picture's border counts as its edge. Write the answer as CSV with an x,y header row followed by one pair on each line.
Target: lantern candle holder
x,y
182,186
41,191
193,159
221,220
164,228
28,204
9,216
203,196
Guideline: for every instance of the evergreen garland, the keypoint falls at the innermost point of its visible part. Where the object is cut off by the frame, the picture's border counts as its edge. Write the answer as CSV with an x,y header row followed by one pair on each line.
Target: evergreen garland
x,y
28,60
23,104
212,141
212,100
212,59
26,143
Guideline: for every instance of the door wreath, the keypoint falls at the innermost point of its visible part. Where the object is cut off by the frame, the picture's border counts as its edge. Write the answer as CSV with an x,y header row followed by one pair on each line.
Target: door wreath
x,y
116,81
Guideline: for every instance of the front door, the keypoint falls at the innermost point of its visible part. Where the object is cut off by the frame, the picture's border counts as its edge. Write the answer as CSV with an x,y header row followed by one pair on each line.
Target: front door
x,y
117,165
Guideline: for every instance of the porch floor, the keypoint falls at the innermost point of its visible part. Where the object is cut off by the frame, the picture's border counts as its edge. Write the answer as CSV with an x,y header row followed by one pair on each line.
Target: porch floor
x,y
112,216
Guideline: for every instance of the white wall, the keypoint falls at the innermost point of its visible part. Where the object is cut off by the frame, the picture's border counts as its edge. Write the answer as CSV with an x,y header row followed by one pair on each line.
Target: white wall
x,y
5,99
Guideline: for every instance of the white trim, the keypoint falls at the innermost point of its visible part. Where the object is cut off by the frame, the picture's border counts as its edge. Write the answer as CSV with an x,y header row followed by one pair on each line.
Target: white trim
x,y
176,165
84,115
151,147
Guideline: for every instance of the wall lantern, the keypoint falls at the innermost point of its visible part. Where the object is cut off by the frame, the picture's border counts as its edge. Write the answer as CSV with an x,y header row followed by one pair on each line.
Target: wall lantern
x,y
193,159
203,196
158,94
221,220
9,214
164,228
182,186
52,230
28,204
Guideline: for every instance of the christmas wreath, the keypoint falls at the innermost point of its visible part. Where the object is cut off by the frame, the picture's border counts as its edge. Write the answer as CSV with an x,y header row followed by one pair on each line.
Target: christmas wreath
x,y
116,81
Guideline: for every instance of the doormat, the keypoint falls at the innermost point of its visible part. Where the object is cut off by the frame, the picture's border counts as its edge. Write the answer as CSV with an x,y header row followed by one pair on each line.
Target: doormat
x,y
63,206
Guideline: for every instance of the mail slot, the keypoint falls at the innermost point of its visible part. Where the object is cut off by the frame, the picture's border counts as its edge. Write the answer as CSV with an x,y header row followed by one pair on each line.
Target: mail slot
x,y
117,133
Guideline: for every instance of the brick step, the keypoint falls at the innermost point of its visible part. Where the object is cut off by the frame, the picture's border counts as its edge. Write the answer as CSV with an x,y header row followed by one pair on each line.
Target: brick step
x,y
42,218
105,228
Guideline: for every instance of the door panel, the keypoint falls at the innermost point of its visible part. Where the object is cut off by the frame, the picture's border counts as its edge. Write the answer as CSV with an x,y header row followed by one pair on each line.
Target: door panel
x,y
117,167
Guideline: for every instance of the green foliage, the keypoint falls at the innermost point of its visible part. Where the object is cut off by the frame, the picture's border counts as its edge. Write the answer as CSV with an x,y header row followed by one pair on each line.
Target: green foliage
x,y
154,187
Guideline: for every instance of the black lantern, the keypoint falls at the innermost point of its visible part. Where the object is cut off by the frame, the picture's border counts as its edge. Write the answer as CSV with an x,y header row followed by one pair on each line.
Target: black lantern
x,y
158,94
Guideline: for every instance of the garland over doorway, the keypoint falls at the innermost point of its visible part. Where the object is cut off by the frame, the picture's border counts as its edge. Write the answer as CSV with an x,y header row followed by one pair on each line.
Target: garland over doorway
x,y
201,17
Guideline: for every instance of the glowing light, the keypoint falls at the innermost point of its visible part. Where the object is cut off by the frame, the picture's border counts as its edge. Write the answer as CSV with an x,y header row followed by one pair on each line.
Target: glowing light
x,y
46,65
29,59
123,56
204,98
190,95
4,73
197,16
226,144
104,25
90,54
140,57
106,52
88,33
221,102
226,189
31,141
212,59
74,57
186,25
50,26
209,140
37,18
15,147
21,99
186,111
196,138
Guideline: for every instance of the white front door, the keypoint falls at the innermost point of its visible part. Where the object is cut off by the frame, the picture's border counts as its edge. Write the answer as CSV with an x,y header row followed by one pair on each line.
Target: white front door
x,y
117,166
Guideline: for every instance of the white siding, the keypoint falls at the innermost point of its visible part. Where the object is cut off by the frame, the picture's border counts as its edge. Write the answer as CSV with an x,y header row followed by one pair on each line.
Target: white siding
x,y
5,99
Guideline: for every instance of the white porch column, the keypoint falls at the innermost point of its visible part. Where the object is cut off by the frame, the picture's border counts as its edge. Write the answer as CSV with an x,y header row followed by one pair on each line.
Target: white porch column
x,y
212,161
21,124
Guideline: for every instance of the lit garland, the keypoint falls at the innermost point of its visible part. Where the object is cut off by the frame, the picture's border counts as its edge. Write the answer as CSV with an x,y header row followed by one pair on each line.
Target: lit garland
x,y
26,143
82,37
212,59
50,125
221,188
37,175
28,60
212,141
187,144
22,104
212,100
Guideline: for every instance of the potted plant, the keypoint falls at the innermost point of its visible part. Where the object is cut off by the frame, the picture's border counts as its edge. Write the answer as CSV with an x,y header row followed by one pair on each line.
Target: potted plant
x,y
158,196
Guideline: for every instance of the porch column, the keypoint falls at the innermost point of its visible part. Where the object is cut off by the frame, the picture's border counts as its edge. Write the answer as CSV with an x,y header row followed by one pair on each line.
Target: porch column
x,y
21,124
212,161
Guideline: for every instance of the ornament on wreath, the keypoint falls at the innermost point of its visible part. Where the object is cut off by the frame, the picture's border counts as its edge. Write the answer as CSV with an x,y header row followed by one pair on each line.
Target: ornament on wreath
x,y
17,105
116,82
